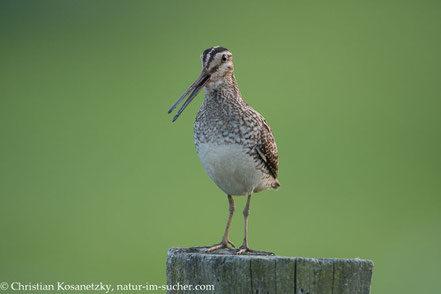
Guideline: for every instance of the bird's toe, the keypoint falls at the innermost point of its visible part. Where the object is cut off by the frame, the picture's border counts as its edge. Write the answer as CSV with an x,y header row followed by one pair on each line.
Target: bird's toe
x,y
248,251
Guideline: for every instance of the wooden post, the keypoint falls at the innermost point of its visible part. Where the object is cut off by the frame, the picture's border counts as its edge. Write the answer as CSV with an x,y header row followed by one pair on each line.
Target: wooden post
x,y
230,273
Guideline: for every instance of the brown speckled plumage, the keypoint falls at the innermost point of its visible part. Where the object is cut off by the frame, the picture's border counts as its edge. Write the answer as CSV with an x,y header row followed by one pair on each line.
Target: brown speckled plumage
x,y
225,118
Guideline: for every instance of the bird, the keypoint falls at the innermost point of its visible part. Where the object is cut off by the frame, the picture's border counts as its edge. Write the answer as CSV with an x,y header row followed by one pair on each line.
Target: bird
x,y
235,144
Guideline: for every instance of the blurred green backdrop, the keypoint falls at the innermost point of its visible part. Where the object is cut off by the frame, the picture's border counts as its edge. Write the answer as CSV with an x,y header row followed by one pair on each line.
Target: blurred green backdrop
x,y
97,183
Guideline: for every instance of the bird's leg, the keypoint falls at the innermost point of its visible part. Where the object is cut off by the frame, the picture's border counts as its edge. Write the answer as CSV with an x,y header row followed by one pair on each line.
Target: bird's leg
x,y
225,241
244,248
246,213
232,208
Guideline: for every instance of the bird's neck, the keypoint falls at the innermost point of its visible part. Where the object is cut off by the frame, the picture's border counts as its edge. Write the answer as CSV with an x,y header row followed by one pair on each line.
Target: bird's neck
x,y
224,89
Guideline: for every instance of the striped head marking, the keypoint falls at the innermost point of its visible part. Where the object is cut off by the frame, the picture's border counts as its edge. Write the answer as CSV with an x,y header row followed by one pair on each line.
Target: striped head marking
x,y
217,62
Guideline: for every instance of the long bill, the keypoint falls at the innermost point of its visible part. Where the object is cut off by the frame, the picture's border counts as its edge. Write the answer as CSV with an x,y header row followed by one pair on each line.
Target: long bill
x,y
195,87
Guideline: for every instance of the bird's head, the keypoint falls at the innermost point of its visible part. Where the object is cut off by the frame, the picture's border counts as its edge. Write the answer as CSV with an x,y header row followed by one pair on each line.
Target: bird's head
x,y
217,63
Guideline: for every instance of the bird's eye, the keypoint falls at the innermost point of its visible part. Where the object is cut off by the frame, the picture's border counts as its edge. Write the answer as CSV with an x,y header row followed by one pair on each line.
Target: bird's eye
x,y
224,58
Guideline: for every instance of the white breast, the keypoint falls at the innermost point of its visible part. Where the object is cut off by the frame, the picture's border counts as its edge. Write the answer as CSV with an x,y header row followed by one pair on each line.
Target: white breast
x,y
231,168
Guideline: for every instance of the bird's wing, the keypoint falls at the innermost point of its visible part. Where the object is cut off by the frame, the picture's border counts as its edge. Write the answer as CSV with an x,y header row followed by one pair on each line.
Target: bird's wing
x,y
267,148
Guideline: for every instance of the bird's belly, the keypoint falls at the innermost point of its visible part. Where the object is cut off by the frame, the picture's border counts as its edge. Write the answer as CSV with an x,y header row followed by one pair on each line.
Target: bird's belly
x,y
230,167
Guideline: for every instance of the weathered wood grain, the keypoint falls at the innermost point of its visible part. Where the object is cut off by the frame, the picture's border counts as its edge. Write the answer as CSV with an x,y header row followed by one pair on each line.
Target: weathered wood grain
x,y
230,273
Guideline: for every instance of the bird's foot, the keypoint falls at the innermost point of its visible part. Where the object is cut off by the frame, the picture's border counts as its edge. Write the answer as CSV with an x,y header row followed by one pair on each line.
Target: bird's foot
x,y
221,245
245,250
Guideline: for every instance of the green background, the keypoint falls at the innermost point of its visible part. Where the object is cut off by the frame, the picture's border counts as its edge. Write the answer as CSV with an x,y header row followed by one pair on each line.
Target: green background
x,y
97,183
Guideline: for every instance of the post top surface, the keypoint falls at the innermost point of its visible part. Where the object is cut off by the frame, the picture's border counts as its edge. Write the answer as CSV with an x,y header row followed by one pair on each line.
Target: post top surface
x,y
227,252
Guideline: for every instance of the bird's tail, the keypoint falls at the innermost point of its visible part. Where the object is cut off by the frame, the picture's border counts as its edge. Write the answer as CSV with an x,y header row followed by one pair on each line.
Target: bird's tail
x,y
276,184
